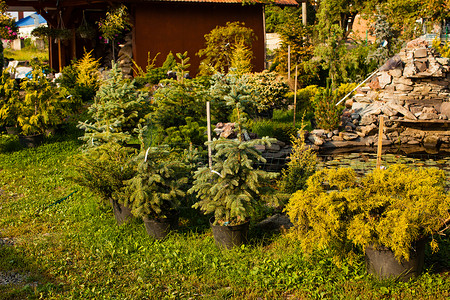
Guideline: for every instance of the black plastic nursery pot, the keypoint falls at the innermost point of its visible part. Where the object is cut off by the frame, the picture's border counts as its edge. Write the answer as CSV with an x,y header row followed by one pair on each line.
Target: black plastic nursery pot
x,y
31,141
229,236
381,262
160,227
121,212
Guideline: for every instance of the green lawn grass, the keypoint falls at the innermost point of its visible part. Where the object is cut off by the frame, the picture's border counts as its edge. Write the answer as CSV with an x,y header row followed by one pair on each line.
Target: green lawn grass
x,y
75,250
27,53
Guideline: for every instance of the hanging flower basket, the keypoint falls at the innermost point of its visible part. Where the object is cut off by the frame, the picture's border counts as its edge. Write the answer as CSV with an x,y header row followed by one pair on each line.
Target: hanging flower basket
x,y
41,32
62,34
86,32
56,33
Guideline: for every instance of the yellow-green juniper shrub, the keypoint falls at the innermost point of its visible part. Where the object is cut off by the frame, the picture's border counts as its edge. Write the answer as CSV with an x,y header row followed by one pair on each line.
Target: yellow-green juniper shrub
x,y
391,208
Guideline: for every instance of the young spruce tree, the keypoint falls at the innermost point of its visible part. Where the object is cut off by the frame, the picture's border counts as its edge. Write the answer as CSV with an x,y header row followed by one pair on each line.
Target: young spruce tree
x,y
233,186
116,112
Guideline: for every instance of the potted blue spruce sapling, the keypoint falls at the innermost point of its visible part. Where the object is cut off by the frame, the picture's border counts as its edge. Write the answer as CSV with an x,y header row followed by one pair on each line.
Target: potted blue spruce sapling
x,y
157,189
117,111
233,186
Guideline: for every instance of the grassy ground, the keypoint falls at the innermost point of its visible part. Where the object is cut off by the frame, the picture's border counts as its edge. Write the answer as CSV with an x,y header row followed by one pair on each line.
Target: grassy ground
x,y
27,53
75,250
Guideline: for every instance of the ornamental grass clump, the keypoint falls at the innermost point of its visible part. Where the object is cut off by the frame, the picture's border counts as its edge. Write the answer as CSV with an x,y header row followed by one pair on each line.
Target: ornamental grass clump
x,y
386,208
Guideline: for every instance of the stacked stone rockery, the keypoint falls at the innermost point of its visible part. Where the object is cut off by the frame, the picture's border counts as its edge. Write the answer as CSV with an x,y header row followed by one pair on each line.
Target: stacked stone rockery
x,y
125,56
412,92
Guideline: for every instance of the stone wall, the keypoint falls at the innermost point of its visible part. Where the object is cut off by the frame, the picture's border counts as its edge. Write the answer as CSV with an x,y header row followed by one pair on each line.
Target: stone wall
x,y
412,92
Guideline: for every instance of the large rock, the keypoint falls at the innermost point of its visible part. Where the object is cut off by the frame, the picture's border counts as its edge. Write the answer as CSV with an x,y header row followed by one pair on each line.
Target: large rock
x,y
384,79
367,120
348,136
369,129
445,109
430,141
402,110
315,140
420,53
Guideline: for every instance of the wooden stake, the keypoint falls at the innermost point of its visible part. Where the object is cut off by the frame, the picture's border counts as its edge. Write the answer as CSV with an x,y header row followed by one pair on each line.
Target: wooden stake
x,y
59,55
208,122
289,63
380,141
295,93
74,44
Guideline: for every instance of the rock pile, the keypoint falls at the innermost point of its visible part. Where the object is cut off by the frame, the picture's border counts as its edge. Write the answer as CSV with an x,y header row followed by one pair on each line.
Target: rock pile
x,y
276,155
125,56
412,92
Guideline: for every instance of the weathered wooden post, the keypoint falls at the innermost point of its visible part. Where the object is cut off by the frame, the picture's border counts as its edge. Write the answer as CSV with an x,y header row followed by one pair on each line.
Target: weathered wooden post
x,y
208,122
289,64
380,140
295,93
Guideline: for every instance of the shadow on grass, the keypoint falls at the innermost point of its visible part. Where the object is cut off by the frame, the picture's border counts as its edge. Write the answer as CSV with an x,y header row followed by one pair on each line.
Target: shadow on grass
x,y
9,143
21,278
66,132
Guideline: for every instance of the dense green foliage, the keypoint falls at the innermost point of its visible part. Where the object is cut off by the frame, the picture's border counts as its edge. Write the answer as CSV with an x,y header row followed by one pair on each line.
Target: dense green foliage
x,y
220,44
327,113
182,136
294,34
81,79
177,101
42,106
159,184
103,170
301,165
117,111
9,99
232,188
391,208
153,74
442,48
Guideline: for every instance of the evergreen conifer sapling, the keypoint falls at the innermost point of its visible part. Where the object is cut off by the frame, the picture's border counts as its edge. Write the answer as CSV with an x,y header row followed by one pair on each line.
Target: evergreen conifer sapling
x,y
233,187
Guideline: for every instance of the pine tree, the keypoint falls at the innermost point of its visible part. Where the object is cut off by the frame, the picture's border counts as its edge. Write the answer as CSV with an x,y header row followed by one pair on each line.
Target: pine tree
x,y
104,169
233,186
327,114
117,111
241,59
302,164
159,183
179,99
385,39
9,99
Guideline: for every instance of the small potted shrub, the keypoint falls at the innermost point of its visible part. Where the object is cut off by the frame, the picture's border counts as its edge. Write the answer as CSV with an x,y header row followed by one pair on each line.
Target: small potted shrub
x,y
9,103
103,170
232,188
155,191
42,107
388,213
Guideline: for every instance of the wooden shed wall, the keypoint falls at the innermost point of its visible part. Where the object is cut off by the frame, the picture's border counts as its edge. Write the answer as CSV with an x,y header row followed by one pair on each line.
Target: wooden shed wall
x,y
179,27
